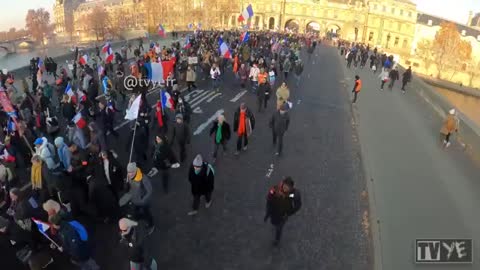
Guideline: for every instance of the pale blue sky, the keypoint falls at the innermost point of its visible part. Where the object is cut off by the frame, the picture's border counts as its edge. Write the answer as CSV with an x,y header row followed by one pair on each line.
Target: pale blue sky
x,y
14,11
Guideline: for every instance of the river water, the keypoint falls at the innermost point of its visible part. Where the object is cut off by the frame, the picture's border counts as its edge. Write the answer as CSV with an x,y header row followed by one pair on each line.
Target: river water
x,y
467,104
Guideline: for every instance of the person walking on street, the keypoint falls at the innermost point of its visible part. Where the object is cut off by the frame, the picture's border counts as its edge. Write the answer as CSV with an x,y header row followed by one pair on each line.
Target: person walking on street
x,y
393,76
243,74
356,88
74,239
407,77
163,159
283,94
183,107
243,125
283,201
140,191
201,176
287,66
450,125
254,72
215,75
279,125
220,132
298,71
134,236
181,136
383,77
191,78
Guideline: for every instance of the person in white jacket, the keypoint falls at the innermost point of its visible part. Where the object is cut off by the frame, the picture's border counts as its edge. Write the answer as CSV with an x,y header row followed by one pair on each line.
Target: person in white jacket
x,y
383,77
254,71
215,75
46,151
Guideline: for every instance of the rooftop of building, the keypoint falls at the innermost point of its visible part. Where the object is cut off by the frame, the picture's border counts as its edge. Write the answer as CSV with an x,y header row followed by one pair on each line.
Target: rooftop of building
x,y
424,18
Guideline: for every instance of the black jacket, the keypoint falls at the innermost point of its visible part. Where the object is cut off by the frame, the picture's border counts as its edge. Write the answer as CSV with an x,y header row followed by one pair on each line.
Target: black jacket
x,y
163,155
134,241
73,244
236,119
280,206
203,182
115,171
181,133
225,131
279,123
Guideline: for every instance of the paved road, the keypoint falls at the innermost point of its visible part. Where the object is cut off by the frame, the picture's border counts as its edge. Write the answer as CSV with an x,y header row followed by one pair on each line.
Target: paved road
x,y
322,155
420,189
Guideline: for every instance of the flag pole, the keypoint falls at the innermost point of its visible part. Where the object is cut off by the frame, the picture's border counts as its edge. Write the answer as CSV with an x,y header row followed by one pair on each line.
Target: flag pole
x,y
133,141
51,240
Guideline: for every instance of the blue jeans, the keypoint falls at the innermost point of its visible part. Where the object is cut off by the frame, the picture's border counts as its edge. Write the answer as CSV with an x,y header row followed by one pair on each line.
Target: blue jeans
x,y
254,86
215,84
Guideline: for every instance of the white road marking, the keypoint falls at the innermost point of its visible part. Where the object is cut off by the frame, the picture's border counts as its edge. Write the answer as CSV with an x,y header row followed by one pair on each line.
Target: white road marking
x,y
308,75
270,171
209,95
313,63
208,122
197,110
214,96
206,93
299,101
194,93
238,96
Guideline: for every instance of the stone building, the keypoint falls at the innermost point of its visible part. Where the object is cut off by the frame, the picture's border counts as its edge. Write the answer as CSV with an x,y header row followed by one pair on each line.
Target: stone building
x,y
382,23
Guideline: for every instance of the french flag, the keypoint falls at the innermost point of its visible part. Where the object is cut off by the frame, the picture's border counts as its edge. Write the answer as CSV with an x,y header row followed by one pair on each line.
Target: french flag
x,y
224,50
246,14
68,90
161,31
40,64
42,226
100,71
79,121
155,71
244,37
167,100
81,96
187,43
84,59
106,47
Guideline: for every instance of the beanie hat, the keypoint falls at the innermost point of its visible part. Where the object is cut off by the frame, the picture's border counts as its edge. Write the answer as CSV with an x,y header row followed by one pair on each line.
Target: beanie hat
x,y
132,167
38,141
198,161
452,111
179,116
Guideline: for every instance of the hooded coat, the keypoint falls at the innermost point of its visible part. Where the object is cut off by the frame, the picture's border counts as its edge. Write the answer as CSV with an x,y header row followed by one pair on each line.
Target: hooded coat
x,y
203,182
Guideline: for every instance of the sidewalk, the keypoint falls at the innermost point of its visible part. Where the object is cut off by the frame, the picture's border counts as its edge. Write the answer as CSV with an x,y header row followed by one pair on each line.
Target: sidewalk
x,y
419,189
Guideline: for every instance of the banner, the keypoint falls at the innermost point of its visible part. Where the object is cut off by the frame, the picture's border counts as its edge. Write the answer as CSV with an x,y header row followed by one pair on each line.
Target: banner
x,y
192,60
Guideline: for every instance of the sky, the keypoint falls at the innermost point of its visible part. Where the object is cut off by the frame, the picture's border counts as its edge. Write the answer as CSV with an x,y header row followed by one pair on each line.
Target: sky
x,y
456,10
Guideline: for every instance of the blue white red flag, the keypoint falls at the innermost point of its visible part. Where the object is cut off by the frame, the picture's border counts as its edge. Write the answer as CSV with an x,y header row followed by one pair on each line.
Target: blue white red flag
x,y
155,71
42,226
167,100
244,37
246,14
161,30
69,90
224,50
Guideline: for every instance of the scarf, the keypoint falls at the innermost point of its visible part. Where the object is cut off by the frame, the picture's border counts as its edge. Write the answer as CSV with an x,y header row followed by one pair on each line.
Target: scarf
x,y
218,137
241,124
159,116
37,175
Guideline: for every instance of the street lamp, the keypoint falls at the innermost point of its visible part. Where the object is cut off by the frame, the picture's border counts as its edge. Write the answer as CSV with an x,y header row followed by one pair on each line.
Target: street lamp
x,y
388,40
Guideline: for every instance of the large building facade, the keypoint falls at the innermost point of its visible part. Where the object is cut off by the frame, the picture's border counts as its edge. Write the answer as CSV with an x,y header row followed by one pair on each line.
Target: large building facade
x,y
383,23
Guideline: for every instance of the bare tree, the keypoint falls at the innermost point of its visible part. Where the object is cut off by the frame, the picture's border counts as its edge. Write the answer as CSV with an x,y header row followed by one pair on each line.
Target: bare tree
x,y
98,22
38,24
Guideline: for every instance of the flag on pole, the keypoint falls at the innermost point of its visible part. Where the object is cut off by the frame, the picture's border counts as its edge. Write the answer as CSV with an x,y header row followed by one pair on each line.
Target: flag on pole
x,y
224,50
187,44
161,30
68,90
246,14
79,121
244,37
109,55
132,112
84,59
106,47
167,100
42,226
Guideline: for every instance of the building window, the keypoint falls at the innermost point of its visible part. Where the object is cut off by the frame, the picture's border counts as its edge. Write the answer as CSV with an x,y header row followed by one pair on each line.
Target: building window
x,y
325,13
393,10
429,23
399,27
464,32
384,9
401,12
409,14
416,65
397,40
370,36
405,43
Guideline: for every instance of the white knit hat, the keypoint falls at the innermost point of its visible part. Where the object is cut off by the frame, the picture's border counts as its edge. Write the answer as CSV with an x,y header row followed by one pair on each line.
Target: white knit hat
x,y
452,111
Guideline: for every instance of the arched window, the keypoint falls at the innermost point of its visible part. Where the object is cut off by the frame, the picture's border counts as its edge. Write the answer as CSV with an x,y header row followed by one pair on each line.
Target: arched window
x,y
271,23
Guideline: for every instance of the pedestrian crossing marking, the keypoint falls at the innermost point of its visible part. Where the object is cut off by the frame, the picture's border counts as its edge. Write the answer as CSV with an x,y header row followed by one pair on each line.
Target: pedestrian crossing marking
x,y
202,97
214,96
208,122
238,96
